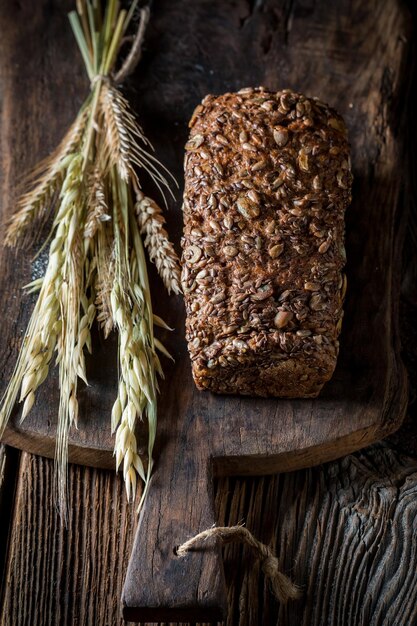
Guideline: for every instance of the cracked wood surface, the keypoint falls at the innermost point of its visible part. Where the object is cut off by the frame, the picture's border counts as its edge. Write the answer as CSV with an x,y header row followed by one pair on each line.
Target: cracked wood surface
x,y
344,531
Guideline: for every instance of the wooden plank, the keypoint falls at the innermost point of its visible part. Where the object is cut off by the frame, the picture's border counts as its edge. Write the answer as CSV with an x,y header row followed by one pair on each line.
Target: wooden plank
x,y
8,474
201,434
345,531
74,575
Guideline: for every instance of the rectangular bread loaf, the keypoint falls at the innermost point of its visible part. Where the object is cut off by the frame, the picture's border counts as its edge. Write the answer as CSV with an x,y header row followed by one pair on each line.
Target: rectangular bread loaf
x,y
267,182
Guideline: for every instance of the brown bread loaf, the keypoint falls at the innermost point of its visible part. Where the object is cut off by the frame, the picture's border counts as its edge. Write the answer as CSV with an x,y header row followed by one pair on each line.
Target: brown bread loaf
x,y
267,182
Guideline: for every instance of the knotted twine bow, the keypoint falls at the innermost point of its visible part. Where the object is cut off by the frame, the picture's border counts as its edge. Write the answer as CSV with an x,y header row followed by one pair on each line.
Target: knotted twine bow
x,y
283,588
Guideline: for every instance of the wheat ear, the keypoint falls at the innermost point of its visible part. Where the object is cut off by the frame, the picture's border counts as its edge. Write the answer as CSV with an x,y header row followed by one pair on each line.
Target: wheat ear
x,y
73,335
96,265
48,177
132,315
161,251
97,209
126,144
105,256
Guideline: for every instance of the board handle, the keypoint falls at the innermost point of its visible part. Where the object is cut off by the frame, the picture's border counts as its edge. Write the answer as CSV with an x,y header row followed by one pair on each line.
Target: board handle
x,y
159,585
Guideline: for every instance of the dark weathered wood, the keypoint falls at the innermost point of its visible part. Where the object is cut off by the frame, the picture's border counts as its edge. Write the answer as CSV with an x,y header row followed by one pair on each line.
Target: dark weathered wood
x,y
345,531
8,474
67,576
366,399
279,44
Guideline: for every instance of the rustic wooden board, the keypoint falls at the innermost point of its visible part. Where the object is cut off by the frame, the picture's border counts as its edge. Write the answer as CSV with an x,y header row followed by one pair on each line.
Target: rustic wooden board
x,y
351,55
36,111
8,473
65,568
345,531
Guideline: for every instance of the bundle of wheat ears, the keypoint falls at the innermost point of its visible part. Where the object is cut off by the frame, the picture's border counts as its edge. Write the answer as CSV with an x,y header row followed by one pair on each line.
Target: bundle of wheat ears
x,y
90,189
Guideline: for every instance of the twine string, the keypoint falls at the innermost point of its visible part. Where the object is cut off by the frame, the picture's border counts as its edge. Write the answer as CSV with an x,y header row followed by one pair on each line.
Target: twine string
x,y
104,78
135,53
283,588
133,57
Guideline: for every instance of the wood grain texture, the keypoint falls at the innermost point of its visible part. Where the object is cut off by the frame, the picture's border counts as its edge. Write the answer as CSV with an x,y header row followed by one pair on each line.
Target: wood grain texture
x,y
8,474
74,575
345,531
367,395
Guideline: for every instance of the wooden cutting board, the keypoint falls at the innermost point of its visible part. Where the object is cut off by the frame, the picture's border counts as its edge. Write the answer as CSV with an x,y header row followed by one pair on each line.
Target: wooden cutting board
x,y
351,55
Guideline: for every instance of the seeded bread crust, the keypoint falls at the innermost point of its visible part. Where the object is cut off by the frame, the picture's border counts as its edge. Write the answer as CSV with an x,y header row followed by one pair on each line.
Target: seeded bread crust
x,y
267,182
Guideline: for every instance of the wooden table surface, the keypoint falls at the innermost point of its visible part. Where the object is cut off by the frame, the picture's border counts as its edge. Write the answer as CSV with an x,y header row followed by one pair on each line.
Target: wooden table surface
x,y
345,531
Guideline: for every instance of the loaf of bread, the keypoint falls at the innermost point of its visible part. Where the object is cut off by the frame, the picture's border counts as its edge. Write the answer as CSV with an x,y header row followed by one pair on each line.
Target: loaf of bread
x,y
267,182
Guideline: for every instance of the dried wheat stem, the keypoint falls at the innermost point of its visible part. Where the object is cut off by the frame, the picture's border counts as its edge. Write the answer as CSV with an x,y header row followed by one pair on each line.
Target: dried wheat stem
x,y
126,144
105,258
117,135
47,328
72,337
135,52
134,392
128,311
96,263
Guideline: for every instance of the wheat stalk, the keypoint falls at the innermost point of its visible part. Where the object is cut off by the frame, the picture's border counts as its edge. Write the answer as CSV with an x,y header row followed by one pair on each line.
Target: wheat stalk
x,y
130,312
126,144
104,255
118,137
54,324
